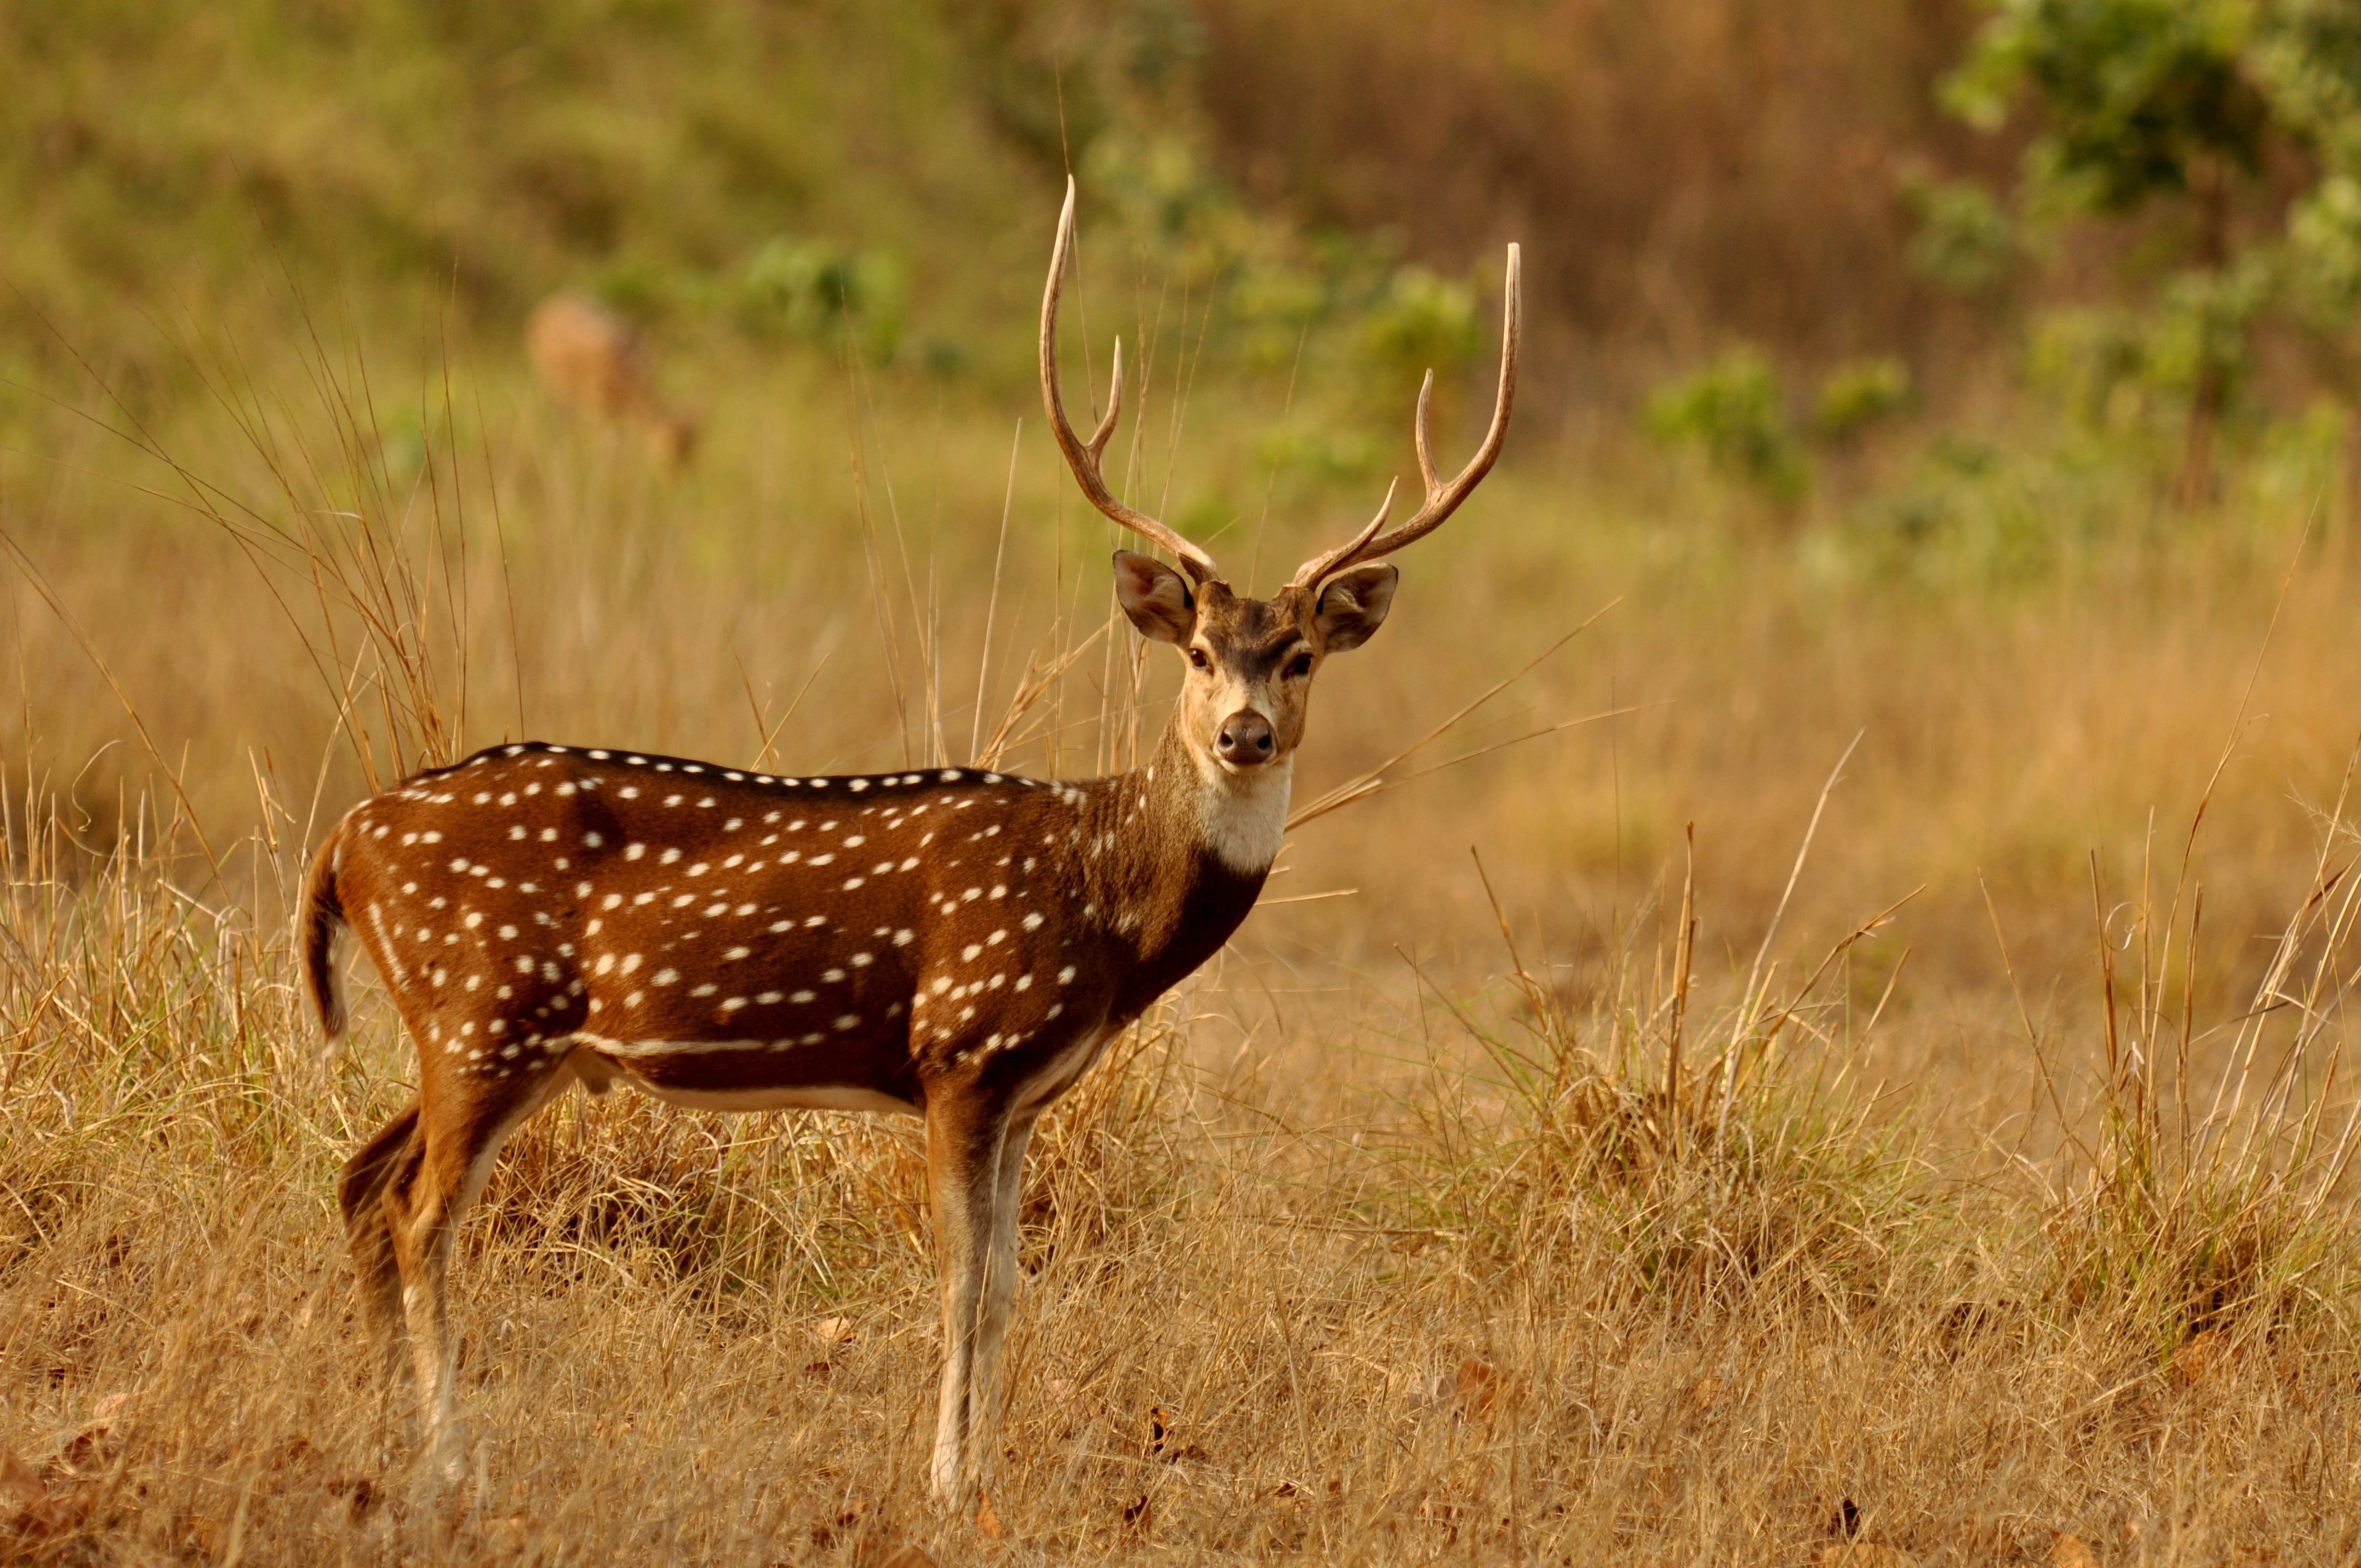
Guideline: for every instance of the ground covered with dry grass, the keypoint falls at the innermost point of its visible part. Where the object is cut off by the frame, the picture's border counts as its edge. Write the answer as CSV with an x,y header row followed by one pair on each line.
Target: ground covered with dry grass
x,y
1623,1194
1519,1305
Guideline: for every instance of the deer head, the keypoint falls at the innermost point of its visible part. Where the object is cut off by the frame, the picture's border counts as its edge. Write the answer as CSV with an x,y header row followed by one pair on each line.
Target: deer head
x,y
1251,660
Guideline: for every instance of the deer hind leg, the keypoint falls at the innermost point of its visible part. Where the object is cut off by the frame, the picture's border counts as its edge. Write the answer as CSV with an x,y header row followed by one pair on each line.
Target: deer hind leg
x,y
964,1181
423,1203
360,1192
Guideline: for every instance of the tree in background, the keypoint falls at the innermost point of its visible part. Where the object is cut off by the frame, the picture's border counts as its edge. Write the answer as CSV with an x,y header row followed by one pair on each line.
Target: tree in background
x,y
2310,58
2179,108
2144,103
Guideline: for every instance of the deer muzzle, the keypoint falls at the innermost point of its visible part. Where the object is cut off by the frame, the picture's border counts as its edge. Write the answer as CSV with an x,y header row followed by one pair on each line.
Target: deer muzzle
x,y
1244,740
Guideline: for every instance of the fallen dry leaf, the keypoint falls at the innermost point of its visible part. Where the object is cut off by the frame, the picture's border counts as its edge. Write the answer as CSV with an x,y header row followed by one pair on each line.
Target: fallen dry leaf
x,y
1707,1390
510,1537
28,1506
20,1484
2204,1360
1865,1554
87,1448
1476,1388
2067,1551
911,1555
361,1493
826,1532
833,1331
987,1519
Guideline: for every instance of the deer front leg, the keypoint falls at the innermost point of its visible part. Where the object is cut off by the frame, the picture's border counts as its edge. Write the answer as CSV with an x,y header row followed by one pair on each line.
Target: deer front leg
x,y
963,1149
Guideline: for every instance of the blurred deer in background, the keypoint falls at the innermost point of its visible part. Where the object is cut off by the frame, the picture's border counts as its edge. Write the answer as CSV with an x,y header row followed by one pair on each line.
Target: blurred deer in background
x,y
591,359
946,942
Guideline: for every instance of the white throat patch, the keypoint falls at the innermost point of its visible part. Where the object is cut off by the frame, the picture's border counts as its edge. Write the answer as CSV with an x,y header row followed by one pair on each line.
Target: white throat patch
x,y
1242,816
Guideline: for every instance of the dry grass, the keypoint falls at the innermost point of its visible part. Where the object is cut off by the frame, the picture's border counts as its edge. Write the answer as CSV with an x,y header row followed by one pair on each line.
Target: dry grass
x,y
1398,1232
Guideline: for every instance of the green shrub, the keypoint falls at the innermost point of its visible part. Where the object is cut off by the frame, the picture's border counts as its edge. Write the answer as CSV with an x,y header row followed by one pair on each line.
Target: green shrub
x,y
1965,240
1734,412
1419,322
1858,394
825,292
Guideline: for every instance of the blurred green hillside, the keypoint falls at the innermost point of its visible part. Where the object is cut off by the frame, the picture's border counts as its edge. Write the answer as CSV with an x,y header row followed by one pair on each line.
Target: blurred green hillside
x,y
380,158
890,168
1822,259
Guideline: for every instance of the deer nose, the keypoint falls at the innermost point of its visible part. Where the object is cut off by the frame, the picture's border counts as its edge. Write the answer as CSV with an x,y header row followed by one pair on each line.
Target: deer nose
x,y
1244,741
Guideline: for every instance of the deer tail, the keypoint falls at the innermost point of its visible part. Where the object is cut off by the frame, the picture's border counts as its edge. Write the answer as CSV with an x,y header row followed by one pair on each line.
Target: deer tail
x,y
317,922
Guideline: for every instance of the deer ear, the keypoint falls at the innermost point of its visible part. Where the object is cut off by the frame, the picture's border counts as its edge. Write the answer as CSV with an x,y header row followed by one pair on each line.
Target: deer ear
x,y
1155,598
1354,605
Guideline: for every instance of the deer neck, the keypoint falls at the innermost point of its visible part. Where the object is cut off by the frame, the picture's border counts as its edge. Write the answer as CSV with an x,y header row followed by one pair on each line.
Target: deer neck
x,y
1236,818
1181,849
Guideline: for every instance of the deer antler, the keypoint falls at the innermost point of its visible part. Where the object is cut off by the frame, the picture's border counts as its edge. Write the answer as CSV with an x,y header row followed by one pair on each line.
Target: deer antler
x,y
1082,456
1442,500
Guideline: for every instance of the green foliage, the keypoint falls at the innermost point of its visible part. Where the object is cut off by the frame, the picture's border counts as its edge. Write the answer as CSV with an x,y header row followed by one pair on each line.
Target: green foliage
x,y
825,293
2201,323
2091,362
2311,61
479,156
2180,104
2136,95
1971,515
1314,454
1858,394
1965,240
1419,322
1734,412
2123,372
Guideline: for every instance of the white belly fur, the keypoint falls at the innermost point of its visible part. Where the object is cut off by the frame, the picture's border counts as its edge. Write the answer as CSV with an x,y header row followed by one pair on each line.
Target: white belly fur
x,y
600,1066
815,1097
1063,1069
600,1063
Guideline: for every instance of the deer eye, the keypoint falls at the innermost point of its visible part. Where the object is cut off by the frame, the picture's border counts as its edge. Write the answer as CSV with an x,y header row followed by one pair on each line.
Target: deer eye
x,y
1197,658
1299,666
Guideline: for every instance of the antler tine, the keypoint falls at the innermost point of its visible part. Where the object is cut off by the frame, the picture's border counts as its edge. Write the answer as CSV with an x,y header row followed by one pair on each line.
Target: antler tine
x,y
1418,435
1442,500
1082,456
1114,404
1319,567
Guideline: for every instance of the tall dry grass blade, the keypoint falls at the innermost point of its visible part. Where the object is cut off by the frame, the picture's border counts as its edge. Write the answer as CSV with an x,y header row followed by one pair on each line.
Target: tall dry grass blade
x,y
1749,1000
873,557
992,601
2025,1018
1860,932
1044,674
1684,946
1372,781
33,574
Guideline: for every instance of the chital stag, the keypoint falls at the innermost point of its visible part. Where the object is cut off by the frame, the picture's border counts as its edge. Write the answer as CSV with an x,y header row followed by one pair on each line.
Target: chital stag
x,y
944,942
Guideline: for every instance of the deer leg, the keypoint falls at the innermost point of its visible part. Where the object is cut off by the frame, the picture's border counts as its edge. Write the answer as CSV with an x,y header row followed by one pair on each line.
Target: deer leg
x,y
360,1193
963,1145
1000,1268
424,1203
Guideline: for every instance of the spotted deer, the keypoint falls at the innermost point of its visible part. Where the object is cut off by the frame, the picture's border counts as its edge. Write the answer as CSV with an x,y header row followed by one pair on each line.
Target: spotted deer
x,y
946,942
588,356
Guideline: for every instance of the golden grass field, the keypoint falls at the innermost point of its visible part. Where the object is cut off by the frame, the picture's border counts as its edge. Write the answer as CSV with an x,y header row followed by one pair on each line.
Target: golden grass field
x,y
1384,1239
